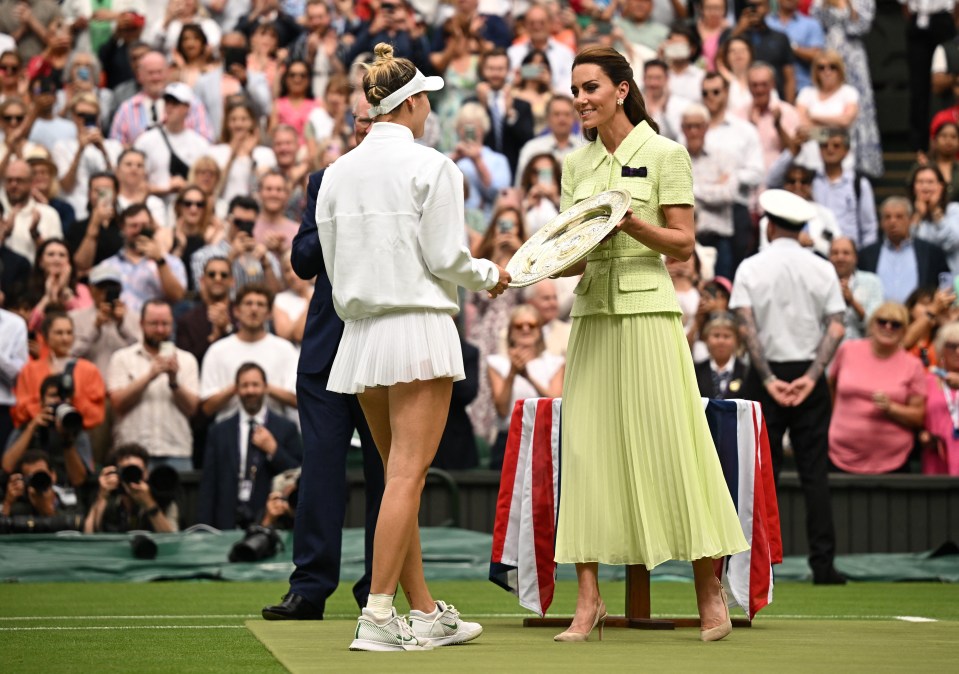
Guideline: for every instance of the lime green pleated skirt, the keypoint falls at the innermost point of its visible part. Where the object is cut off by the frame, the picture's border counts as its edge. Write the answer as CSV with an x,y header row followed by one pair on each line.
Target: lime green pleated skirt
x,y
640,480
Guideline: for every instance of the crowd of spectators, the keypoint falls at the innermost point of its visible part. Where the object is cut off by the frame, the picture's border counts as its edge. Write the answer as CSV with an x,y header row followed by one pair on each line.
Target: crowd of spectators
x,y
154,160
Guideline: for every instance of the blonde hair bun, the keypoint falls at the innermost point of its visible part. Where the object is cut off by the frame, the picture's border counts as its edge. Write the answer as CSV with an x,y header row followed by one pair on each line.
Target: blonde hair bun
x,y
383,51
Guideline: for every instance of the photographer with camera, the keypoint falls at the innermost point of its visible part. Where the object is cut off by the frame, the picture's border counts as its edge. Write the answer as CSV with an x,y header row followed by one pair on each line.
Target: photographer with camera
x,y
130,498
147,270
58,431
32,502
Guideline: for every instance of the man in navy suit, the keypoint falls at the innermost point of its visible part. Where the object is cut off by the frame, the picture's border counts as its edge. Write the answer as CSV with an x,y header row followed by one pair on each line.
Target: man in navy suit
x,y
328,421
263,444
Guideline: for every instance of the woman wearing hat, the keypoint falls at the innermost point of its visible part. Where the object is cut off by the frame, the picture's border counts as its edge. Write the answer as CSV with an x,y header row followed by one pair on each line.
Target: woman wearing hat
x,y
395,256
640,479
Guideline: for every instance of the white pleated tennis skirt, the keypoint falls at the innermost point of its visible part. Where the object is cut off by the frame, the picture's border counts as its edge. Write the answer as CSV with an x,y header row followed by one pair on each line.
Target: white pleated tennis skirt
x,y
396,347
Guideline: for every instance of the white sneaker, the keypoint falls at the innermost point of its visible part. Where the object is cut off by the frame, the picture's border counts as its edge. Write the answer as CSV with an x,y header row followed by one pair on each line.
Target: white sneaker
x,y
393,635
445,628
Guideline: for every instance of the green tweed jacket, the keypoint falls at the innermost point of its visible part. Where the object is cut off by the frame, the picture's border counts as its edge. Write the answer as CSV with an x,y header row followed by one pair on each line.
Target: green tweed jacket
x,y
622,275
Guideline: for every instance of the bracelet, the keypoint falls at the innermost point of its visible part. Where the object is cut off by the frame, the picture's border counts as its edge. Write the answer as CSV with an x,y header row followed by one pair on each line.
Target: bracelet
x,y
770,378
153,512
160,262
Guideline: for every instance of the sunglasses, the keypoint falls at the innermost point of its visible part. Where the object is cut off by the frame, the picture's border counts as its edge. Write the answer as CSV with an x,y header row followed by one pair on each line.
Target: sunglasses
x,y
827,66
950,346
297,75
193,204
14,119
525,326
9,69
889,324
797,181
218,275
388,8
711,92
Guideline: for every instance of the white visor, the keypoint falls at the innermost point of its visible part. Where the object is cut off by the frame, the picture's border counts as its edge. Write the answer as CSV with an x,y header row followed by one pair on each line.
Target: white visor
x,y
420,82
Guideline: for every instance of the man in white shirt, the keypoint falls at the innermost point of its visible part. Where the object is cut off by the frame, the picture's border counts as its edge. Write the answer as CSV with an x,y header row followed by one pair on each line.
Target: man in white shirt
x,y
33,222
560,56
171,148
153,390
251,343
784,295
13,356
559,142
775,120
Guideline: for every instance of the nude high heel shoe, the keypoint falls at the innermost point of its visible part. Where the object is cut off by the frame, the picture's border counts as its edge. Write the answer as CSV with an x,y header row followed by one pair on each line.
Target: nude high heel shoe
x,y
599,619
720,631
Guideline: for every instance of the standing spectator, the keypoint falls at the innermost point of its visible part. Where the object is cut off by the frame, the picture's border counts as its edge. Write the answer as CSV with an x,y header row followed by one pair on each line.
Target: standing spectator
x,y
721,376
928,309
255,445
133,187
47,128
785,285
710,24
536,22
664,107
13,356
392,22
264,47
153,390
903,262
120,54
290,306
32,221
542,297
486,170
879,391
769,46
15,124
943,150
295,171
638,26
735,60
53,283
862,290
774,119
148,272
328,124
490,29
846,23
196,227
540,185
940,446
318,45
97,237
268,11
180,13
715,187
458,64
806,37
192,55
930,23
558,140
510,123
296,100
240,154
250,343
78,159
46,187
145,109
273,229
26,22
534,87
210,319
13,84
233,78
829,103
106,326
934,219
680,51
836,188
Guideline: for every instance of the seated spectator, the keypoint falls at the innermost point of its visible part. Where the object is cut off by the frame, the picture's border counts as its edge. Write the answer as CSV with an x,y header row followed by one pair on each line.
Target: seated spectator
x,y
776,120
665,107
88,154
88,394
269,12
233,78
879,398
181,13
297,99
862,290
526,371
192,56
59,435
329,122
32,221
125,503
53,283
902,261
97,237
15,127
943,149
46,187
829,103
31,493
146,108
240,153
541,188
559,139
536,23
196,227
934,217
940,446
486,170
264,53
735,60
273,229
171,147
542,297
721,375
711,22
13,356
82,79
928,309
250,343
255,444
210,319
769,46
120,56
151,409
290,306
133,187
252,262
680,51
106,326
715,187
148,272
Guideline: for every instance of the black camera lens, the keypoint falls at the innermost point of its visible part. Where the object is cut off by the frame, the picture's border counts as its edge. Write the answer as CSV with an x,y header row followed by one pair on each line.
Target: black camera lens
x,y
164,481
70,420
131,473
259,543
111,292
40,481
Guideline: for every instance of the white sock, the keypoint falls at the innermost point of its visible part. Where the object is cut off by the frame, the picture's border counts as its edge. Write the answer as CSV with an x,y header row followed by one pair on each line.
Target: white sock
x,y
381,605
432,614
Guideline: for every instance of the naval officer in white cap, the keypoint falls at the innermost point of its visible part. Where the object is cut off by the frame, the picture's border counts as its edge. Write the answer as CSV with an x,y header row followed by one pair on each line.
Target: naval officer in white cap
x,y
784,295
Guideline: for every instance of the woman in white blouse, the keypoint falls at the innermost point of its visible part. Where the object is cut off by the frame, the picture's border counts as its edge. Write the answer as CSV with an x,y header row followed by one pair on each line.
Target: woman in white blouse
x,y
829,103
390,218
239,153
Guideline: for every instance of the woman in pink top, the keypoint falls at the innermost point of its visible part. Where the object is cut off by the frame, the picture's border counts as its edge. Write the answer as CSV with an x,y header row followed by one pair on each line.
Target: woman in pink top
x,y
53,282
879,397
940,438
296,101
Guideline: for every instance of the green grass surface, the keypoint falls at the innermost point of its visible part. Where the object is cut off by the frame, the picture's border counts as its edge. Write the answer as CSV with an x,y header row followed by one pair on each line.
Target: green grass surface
x,y
200,627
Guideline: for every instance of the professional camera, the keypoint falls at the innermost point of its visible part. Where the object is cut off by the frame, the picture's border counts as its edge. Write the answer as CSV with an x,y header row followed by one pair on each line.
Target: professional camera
x,y
68,418
258,543
164,481
41,482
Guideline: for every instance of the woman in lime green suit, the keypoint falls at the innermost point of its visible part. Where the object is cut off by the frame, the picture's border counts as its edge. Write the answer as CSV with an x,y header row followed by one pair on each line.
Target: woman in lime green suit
x,y
640,479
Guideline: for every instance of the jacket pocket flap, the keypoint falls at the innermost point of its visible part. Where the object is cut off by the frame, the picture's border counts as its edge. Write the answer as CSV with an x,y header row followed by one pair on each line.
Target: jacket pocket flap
x,y
639,190
583,285
632,283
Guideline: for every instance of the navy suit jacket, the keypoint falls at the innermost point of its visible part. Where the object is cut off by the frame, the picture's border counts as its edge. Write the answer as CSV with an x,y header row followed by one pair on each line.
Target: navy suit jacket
x,y
930,260
218,497
323,330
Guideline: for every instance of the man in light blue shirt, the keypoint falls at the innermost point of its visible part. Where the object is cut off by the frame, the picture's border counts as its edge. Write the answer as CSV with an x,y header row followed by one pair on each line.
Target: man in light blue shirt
x,y
805,35
835,188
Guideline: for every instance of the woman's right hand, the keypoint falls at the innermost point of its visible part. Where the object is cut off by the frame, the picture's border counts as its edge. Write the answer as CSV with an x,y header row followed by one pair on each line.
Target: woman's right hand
x,y
502,284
